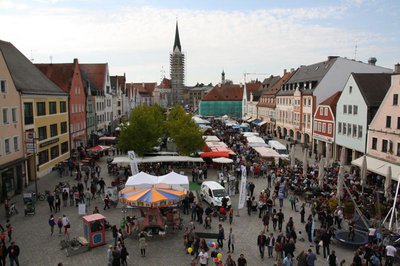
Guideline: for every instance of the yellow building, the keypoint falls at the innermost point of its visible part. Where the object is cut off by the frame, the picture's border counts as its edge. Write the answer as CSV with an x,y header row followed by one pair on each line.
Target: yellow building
x,y
44,108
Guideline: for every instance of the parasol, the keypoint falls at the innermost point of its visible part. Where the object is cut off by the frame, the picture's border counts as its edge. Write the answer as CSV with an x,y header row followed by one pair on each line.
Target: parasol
x,y
363,172
321,173
305,163
151,197
340,180
388,183
292,158
222,160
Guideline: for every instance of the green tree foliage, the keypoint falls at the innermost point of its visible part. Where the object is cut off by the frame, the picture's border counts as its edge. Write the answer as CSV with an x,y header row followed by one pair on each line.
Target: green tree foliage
x,y
184,131
146,127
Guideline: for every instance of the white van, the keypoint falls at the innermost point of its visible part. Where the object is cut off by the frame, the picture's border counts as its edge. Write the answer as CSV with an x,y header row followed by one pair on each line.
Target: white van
x,y
279,148
212,192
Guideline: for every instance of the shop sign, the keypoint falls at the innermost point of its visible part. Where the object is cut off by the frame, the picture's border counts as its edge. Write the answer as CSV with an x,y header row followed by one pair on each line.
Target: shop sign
x,y
49,142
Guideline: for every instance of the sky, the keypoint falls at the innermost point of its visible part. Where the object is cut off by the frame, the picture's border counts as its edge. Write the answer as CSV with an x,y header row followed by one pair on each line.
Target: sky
x,y
261,37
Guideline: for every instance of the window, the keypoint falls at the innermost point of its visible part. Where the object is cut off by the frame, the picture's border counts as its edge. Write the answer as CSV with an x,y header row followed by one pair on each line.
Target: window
x,y
329,128
384,145
63,127
398,122
14,116
321,111
63,107
64,147
374,143
398,149
53,130
41,108
388,121
6,119
350,89
390,146
350,109
3,86
360,132
354,131
305,102
355,109
309,102
42,133
16,144
326,111
395,99
52,108
54,152
344,109
340,127
348,129
43,157
28,113
324,127
344,128
7,148
319,126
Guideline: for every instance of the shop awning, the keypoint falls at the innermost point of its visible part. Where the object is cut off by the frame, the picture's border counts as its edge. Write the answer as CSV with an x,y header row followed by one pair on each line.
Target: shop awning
x,y
261,123
214,154
378,166
267,152
256,121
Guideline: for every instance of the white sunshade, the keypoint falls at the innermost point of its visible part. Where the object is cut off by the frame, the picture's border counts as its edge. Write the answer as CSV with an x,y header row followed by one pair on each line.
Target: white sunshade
x,y
174,180
171,180
255,139
246,134
267,152
379,166
141,179
222,160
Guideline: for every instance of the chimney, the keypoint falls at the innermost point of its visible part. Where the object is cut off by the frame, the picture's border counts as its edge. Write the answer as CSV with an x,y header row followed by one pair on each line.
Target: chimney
x,y
292,70
372,61
284,71
397,68
332,57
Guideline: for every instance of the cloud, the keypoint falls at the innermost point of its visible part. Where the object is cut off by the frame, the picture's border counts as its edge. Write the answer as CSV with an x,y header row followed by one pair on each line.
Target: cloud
x,y
137,39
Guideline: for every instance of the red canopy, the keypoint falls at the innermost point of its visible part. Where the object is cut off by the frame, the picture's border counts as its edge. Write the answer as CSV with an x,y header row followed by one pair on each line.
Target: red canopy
x,y
215,154
99,148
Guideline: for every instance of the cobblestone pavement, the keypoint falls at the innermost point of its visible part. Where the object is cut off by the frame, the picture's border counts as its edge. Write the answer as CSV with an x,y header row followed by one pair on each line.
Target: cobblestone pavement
x,y
38,247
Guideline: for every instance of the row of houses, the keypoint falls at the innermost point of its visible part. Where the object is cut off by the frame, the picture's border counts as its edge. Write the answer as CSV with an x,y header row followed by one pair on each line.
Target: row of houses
x,y
332,105
48,111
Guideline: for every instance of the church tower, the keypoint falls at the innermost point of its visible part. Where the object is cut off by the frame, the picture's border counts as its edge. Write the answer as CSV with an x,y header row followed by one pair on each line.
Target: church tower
x,y
223,77
177,68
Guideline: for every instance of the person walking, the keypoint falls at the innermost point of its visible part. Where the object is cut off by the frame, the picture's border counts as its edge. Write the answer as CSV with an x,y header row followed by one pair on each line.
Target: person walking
x,y
88,196
265,220
261,241
230,215
60,225
109,255
66,225
52,223
310,258
203,257
302,212
248,205
57,203
64,196
142,244
242,261
116,256
231,241
3,254
332,259
270,244
221,236
281,218
10,230
326,240
13,253
50,201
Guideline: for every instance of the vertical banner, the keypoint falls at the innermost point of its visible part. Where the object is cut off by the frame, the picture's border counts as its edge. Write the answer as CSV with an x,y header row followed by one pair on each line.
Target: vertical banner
x,y
242,189
132,158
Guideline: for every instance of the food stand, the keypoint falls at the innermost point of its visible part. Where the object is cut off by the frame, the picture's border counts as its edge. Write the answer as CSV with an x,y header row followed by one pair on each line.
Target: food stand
x,y
94,229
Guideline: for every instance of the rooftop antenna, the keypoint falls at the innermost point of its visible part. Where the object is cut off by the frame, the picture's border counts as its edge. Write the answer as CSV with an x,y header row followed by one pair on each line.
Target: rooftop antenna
x,y
355,52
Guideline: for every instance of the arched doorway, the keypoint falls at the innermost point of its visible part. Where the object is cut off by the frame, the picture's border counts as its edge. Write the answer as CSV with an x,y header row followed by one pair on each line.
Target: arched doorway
x,y
298,136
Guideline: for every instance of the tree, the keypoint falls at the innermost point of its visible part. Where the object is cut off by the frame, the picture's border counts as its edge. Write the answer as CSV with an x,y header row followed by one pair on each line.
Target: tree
x,y
145,129
184,131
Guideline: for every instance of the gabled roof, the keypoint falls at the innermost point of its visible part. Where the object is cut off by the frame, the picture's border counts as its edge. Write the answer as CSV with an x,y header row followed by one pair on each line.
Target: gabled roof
x,y
60,74
225,92
117,82
144,89
87,83
26,77
332,101
97,74
252,87
266,84
373,87
177,43
165,84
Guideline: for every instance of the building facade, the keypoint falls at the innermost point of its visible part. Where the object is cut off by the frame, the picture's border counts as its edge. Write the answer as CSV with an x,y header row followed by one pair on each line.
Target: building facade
x,y
324,126
13,171
68,78
361,97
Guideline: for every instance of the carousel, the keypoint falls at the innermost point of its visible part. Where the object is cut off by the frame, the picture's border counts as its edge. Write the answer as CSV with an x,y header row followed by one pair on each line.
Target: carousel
x,y
157,201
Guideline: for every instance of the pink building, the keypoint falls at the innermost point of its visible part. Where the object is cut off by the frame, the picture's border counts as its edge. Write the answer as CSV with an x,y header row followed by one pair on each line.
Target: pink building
x,y
383,146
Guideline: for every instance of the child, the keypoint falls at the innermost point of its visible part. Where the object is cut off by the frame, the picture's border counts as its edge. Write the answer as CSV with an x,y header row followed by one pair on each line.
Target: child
x,y
60,225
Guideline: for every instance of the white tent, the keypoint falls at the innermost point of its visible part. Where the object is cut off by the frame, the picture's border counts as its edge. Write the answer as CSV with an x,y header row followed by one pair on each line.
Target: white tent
x,y
267,152
255,139
141,180
246,134
174,180
222,160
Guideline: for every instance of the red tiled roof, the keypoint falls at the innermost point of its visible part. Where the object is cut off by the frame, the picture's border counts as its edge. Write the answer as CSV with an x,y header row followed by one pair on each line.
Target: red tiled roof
x,y
143,88
253,86
332,101
225,92
273,90
96,73
60,74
